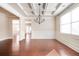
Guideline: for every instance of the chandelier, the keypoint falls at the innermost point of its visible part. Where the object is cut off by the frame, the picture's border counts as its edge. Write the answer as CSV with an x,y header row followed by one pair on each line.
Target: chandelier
x,y
39,19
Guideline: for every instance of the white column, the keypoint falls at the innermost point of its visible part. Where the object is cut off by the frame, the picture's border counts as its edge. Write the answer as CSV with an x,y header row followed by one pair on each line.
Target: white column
x,y
28,33
22,28
15,43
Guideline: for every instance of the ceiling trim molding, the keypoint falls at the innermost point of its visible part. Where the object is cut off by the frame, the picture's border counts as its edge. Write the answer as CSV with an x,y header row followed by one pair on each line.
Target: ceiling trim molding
x,y
7,7
22,8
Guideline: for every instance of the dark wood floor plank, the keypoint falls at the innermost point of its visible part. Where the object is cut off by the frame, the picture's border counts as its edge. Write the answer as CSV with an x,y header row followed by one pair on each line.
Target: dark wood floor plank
x,y
37,47
43,47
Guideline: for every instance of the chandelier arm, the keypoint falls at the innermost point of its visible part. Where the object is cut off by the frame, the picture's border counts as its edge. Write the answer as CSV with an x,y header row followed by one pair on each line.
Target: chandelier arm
x,y
39,20
39,13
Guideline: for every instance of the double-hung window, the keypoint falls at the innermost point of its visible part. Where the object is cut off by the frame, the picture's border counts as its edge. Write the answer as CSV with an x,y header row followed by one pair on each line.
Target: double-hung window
x,y
65,23
69,22
75,21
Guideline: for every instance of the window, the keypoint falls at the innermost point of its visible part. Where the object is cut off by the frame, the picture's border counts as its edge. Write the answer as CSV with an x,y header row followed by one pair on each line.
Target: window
x,y
75,15
69,23
75,21
66,19
75,28
65,23
65,28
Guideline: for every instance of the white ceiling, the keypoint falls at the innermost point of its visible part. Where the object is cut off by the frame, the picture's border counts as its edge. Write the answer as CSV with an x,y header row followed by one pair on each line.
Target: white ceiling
x,y
32,9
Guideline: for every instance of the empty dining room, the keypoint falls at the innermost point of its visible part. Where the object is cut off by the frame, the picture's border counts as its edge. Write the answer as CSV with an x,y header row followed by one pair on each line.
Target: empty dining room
x,y
39,29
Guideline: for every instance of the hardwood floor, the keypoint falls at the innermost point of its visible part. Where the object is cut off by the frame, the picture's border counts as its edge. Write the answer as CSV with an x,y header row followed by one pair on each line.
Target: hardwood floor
x,y
44,47
6,47
37,47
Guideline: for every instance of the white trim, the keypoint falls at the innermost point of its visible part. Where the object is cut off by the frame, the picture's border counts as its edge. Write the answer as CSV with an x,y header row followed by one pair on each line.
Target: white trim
x,y
1,39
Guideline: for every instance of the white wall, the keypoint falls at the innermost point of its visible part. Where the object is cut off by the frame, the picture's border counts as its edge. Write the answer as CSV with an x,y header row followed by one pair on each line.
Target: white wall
x,y
45,30
71,41
4,27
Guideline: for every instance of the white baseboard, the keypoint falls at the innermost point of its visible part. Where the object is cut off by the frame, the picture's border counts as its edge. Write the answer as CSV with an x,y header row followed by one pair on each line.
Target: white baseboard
x,y
1,39
69,45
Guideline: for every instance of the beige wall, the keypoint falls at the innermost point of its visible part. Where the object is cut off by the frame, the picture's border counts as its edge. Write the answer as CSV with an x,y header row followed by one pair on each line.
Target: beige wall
x,y
3,26
71,41
45,30
6,24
